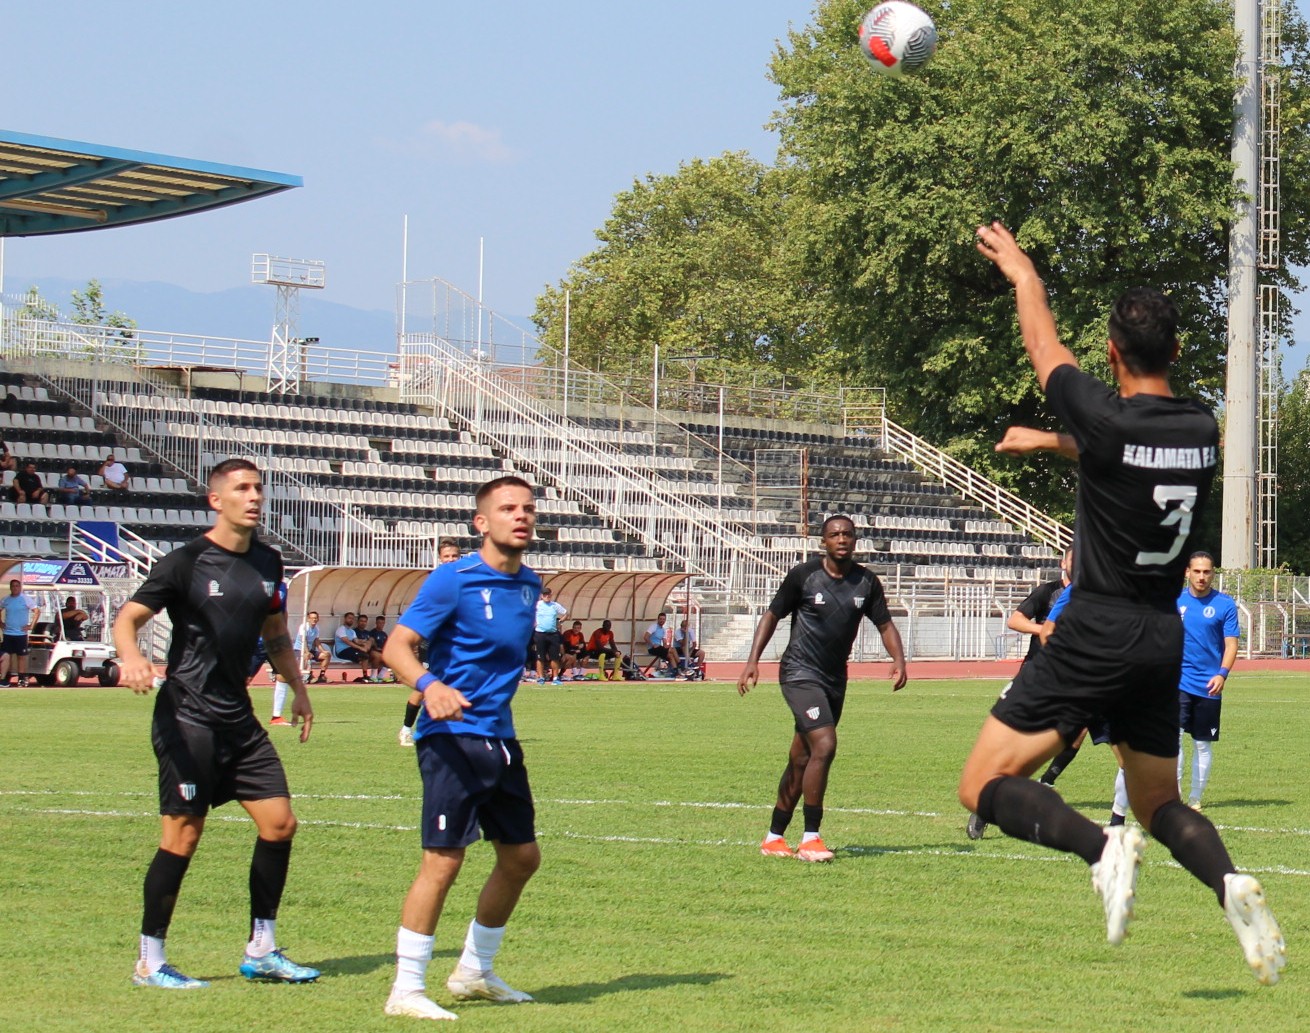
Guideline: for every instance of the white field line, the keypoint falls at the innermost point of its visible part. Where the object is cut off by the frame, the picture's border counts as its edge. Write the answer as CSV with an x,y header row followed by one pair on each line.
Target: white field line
x,y
964,851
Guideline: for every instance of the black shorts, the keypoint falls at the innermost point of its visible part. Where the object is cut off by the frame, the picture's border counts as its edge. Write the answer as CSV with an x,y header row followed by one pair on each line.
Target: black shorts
x,y
548,645
813,705
201,767
14,645
1108,659
470,781
1198,716
256,662
350,655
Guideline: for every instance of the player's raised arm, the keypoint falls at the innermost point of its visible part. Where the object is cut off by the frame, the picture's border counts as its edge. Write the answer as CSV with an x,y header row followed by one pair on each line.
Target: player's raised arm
x,y
1040,338
1019,441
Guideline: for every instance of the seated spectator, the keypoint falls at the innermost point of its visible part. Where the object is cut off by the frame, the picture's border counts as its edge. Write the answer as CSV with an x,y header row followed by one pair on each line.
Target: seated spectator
x,y
27,485
378,635
73,487
657,643
602,647
688,651
115,474
574,644
72,618
350,646
310,646
7,461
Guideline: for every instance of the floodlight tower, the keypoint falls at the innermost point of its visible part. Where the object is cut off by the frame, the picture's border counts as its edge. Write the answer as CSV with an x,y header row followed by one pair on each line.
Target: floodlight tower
x,y
290,276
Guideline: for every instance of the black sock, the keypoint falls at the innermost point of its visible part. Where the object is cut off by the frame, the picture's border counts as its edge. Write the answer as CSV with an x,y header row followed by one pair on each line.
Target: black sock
x,y
781,819
1195,844
411,713
268,877
813,817
1025,810
1061,761
162,885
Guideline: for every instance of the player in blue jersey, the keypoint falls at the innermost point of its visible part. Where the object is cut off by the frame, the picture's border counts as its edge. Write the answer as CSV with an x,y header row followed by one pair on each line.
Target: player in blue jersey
x,y
1210,634
475,614
1146,464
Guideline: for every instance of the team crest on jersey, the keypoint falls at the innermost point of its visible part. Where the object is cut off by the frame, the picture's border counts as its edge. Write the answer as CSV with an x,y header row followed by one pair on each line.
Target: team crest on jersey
x,y
268,589
528,595
812,713
859,601
215,589
819,600
1208,612
187,790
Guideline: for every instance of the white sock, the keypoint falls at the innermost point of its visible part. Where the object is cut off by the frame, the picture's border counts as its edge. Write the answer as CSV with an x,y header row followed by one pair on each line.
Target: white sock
x,y
480,947
279,696
413,952
806,837
1202,756
264,937
772,837
1182,739
152,953
1120,805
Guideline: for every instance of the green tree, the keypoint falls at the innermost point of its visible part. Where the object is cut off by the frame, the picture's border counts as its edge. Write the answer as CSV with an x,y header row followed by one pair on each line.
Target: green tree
x,y
89,310
694,261
1294,476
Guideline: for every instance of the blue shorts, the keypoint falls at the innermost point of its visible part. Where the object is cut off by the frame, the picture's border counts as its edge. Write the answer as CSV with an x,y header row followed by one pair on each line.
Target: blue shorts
x,y
471,781
14,645
1198,716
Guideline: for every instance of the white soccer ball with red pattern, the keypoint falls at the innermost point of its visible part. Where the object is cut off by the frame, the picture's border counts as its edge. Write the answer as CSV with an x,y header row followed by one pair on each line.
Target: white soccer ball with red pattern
x,y
897,38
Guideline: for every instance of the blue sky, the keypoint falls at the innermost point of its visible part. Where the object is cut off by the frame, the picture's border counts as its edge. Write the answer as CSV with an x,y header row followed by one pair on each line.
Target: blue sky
x,y
513,122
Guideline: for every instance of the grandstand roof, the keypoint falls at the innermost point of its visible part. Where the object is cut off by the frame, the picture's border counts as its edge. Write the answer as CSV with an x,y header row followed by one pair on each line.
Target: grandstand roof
x,y
65,186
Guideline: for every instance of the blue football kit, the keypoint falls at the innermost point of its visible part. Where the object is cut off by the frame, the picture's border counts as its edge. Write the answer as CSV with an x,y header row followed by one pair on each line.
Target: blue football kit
x,y
1207,621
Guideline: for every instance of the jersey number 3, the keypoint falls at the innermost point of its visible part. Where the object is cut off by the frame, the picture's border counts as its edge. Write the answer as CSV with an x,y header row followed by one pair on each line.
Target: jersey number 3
x,y
1183,499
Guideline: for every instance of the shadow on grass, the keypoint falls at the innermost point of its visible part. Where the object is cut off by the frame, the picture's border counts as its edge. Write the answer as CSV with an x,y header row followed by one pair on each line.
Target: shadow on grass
x,y
360,963
1226,803
954,847
1215,995
575,993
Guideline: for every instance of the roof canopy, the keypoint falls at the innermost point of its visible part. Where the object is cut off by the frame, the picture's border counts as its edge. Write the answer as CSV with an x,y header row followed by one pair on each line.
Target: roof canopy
x,y
64,186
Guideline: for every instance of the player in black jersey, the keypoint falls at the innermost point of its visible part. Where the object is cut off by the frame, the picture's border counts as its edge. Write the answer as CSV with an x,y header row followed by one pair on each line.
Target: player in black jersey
x,y
1146,462
222,592
827,597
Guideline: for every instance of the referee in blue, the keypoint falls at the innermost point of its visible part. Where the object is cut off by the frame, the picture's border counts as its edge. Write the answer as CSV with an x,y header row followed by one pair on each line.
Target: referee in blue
x,y
475,614
1210,634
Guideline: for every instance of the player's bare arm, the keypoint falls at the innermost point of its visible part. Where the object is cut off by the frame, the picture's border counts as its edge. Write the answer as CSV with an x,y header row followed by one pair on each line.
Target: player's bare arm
x,y
750,674
400,654
1021,622
1215,686
1019,441
1040,338
282,655
891,641
135,671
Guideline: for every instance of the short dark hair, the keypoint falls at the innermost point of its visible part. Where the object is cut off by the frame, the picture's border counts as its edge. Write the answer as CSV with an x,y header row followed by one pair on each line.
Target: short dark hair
x,y
228,467
447,543
605,625
835,516
1200,554
508,481
1144,327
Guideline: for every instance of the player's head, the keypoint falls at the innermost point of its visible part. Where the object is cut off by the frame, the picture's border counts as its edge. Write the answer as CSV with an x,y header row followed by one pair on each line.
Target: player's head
x,y
577,625
312,616
15,587
1144,330
605,625
448,550
661,618
506,515
546,593
379,620
70,603
683,625
236,493
1200,572
837,537
1066,565
347,619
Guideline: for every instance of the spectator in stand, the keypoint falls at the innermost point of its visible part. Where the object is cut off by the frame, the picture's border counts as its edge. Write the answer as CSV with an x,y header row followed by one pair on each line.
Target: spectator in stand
x,y
309,644
72,618
7,461
27,485
574,643
602,646
115,474
73,487
690,656
379,636
351,646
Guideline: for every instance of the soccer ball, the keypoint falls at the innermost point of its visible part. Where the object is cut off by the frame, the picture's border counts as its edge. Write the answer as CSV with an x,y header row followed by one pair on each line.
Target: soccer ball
x,y
897,37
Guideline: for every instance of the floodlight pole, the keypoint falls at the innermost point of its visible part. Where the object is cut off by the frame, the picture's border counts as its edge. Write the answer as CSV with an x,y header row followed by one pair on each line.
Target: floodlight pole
x,y
286,363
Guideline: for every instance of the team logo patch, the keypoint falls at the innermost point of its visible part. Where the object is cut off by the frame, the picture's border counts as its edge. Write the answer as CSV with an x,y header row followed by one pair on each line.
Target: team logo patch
x,y
187,790
1208,612
812,713
528,595
486,603
819,600
215,589
859,601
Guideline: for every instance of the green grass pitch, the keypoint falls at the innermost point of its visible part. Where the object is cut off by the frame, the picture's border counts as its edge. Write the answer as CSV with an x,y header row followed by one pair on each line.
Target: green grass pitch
x,y
653,909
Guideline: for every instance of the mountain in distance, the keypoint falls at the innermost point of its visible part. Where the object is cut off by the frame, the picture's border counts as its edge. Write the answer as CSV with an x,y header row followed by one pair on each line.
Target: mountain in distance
x,y
242,312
